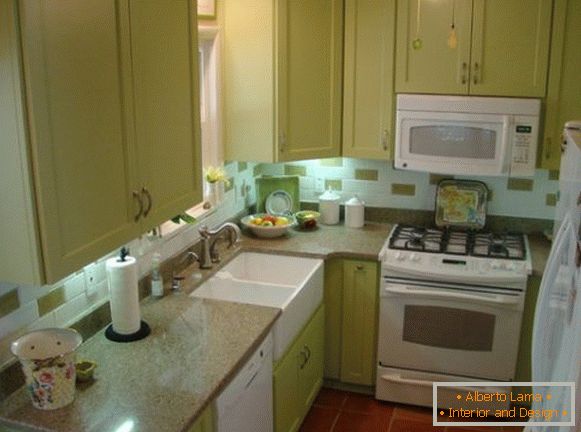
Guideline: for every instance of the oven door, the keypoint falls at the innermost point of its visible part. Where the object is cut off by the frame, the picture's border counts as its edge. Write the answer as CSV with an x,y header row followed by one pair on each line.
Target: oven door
x,y
452,143
471,331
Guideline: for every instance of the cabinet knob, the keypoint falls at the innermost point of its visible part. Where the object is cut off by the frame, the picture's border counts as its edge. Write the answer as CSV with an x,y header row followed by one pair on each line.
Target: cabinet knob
x,y
137,196
146,193
359,267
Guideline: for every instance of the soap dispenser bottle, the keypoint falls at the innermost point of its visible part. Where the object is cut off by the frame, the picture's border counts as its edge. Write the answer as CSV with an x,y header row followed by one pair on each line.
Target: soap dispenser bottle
x,y
156,278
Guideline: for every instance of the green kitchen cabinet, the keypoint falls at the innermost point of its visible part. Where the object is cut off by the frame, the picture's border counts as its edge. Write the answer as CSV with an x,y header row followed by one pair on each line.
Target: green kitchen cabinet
x,y
108,144
205,422
368,79
564,87
502,47
351,310
282,79
359,329
298,376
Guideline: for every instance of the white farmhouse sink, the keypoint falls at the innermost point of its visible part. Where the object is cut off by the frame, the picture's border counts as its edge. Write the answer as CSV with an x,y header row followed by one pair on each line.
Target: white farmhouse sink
x,y
292,284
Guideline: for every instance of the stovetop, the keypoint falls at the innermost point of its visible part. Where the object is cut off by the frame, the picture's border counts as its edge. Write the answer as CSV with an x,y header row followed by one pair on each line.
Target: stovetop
x,y
463,257
508,245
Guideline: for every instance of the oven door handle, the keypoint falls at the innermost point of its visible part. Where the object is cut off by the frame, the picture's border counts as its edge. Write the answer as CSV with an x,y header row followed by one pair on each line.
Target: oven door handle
x,y
408,291
398,379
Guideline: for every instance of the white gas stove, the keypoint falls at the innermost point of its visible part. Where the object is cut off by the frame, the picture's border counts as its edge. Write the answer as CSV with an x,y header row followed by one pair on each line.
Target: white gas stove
x,y
451,307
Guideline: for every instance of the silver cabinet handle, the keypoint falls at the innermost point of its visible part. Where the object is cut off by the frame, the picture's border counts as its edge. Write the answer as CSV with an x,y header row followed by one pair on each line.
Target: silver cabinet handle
x,y
384,139
137,196
146,193
308,351
476,70
464,69
282,141
303,354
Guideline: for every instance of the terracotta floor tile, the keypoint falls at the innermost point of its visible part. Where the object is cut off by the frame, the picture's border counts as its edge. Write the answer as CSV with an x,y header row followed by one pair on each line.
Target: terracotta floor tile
x,y
331,398
403,424
366,404
358,422
320,419
413,413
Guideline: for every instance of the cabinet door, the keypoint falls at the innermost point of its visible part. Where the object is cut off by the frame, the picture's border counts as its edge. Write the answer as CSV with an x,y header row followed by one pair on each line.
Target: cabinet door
x,y
167,117
564,85
310,47
287,405
312,360
333,317
430,65
510,47
205,422
360,298
75,64
368,78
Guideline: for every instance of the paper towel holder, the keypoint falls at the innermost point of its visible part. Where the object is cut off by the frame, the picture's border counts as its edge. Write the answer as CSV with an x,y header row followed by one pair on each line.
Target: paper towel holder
x,y
143,332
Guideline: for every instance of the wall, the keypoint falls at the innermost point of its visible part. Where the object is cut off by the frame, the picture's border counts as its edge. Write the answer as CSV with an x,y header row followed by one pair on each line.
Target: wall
x,y
380,185
25,308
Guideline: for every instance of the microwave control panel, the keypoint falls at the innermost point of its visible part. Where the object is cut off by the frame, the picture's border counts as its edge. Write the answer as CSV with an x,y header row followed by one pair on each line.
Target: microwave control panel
x,y
524,149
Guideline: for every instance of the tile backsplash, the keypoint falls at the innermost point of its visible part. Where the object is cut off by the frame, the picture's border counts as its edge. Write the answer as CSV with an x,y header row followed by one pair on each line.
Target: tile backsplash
x,y
25,308
380,185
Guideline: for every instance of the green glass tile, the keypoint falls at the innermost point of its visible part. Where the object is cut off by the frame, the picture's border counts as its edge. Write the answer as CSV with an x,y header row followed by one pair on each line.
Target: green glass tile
x,y
295,170
229,185
551,200
9,302
242,166
490,195
257,170
553,174
336,185
366,174
519,184
331,162
437,178
403,189
51,301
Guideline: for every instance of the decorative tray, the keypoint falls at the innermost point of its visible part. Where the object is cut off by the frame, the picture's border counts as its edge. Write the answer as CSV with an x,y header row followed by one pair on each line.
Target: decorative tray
x,y
461,203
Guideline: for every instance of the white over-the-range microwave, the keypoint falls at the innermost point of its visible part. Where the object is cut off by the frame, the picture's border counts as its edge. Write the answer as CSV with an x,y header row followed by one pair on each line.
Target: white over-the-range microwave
x,y
467,135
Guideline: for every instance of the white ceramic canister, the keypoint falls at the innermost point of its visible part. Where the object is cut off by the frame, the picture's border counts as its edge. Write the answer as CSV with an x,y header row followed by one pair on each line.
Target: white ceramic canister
x,y
354,213
329,207
48,362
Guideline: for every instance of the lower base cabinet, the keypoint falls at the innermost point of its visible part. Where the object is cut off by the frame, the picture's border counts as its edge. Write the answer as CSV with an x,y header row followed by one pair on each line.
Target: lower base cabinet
x,y
205,422
298,376
351,302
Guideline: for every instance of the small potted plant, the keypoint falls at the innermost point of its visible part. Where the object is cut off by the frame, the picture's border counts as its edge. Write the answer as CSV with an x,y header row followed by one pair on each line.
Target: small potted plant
x,y
215,180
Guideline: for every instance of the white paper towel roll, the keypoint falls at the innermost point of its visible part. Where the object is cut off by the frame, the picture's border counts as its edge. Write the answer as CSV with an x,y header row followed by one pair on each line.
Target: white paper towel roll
x,y
122,279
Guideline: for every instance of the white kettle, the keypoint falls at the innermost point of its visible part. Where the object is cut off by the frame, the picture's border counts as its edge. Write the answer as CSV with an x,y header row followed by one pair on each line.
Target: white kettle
x,y
354,213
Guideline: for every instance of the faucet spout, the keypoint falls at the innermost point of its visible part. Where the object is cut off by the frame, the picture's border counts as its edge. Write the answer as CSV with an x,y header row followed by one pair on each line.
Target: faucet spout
x,y
209,253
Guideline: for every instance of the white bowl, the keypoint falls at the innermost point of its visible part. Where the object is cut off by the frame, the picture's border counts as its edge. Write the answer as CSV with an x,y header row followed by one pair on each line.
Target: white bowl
x,y
267,231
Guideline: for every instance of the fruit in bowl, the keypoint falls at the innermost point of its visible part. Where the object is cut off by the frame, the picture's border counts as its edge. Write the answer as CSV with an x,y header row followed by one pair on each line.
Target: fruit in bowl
x,y
267,225
307,219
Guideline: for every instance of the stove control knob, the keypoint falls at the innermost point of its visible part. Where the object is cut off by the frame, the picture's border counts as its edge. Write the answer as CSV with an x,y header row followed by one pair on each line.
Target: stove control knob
x,y
511,266
399,256
485,267
415,257
495,265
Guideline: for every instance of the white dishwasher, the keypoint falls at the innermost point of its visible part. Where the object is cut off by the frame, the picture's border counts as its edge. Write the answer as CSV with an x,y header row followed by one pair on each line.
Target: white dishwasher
x,y
246,405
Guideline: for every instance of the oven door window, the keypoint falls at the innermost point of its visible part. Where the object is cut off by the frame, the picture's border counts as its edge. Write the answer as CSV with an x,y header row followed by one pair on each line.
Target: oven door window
x,y
446,327
454,141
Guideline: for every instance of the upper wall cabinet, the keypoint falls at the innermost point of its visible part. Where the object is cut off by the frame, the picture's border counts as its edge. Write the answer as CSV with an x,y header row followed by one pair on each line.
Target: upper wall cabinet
x,y
282,67
500,47
368,78
110,96
564,86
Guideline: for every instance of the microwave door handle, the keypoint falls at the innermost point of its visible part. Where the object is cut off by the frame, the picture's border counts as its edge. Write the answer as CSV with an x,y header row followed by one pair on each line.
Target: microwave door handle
x,y
505,157
495,299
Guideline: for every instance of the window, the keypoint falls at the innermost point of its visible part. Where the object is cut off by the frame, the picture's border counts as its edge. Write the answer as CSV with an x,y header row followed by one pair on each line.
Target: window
x,y
209,70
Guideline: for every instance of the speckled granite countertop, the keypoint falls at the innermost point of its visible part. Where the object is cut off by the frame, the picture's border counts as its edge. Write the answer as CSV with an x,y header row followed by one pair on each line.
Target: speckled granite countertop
x,y
163,382
199,339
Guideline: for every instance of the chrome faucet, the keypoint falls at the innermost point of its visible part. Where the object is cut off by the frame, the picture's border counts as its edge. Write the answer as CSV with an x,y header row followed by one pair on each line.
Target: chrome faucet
x,y
209,254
